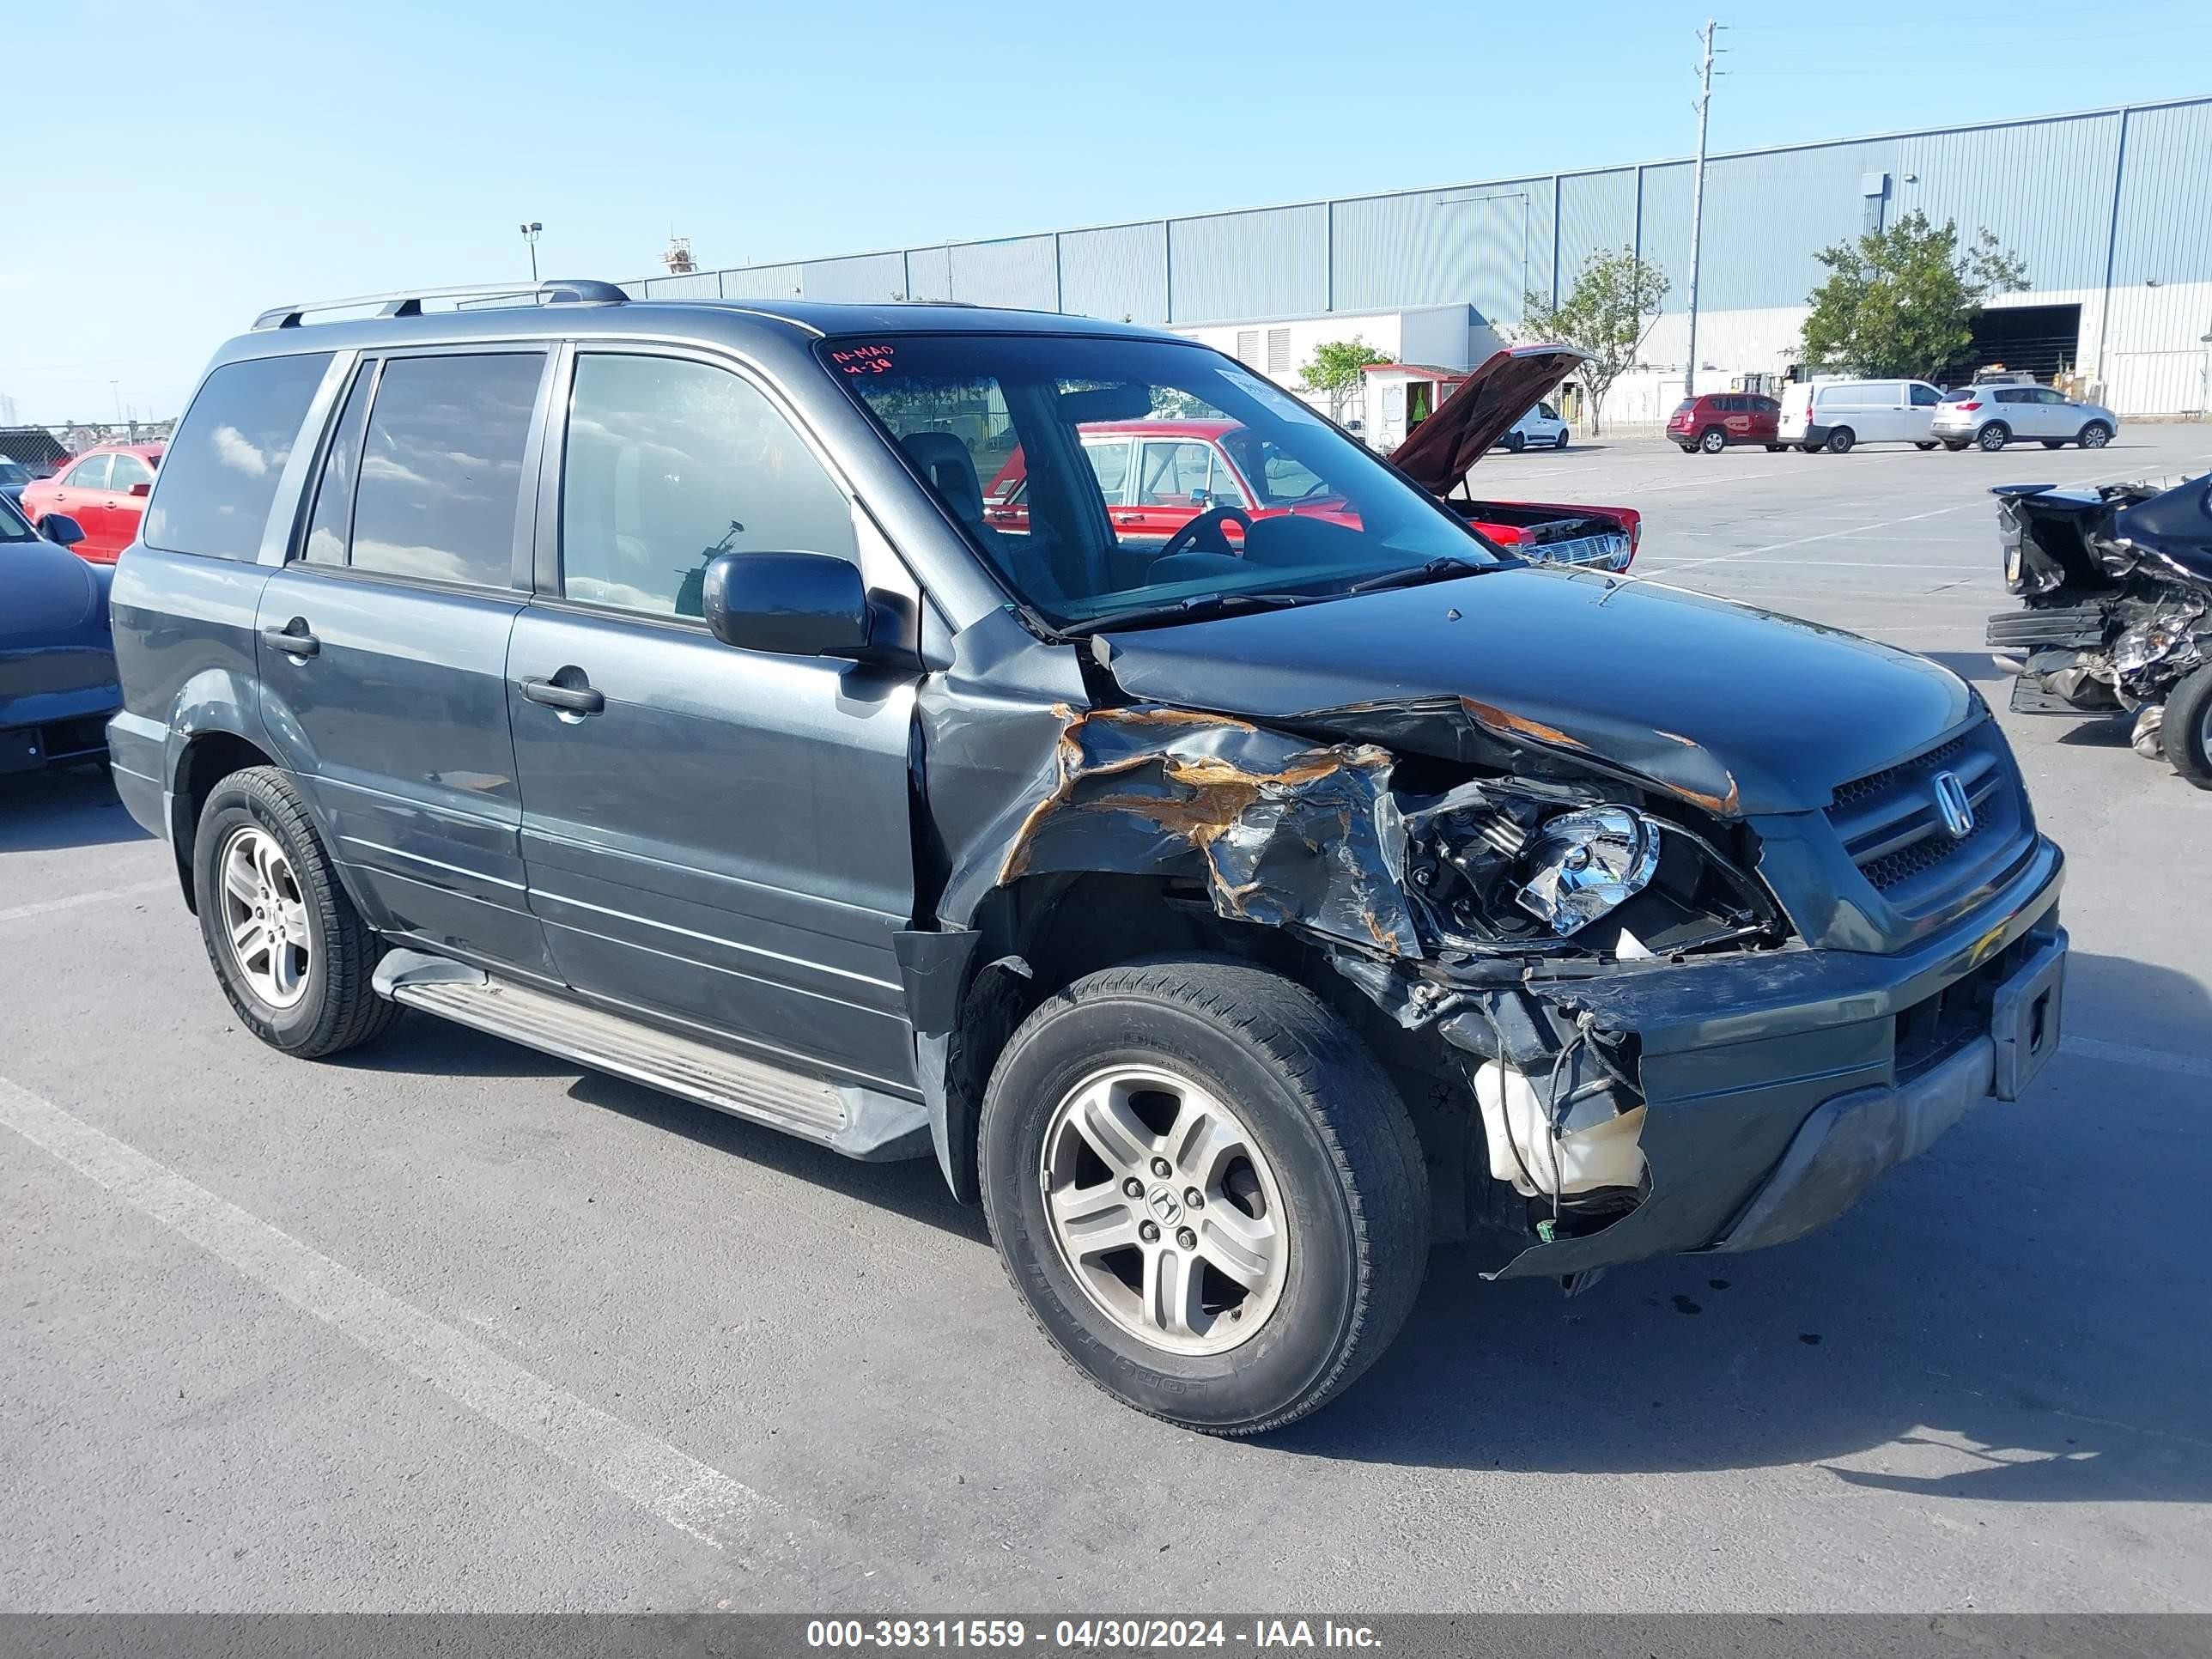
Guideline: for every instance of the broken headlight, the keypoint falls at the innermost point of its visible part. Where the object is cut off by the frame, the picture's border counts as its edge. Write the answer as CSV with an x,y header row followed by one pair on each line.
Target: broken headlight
x,y
1499,866
2148,642
1581,865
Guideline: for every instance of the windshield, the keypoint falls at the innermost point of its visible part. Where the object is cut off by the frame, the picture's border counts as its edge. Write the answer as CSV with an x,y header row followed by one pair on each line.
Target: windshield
x,y
1100,477
14,472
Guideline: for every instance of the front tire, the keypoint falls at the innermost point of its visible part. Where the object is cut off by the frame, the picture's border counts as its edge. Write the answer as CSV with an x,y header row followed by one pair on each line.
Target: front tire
x,y
1560,442
2185,731
293,954
1712,440
1305,1251
1841,440
1993,437
2096,436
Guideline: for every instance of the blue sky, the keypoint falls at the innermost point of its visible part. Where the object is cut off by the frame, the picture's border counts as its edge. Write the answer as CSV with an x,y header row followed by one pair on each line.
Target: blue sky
x,y
214,158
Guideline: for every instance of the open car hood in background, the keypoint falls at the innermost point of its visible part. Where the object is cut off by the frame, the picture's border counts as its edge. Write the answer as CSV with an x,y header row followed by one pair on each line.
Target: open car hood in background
x,y
1499,392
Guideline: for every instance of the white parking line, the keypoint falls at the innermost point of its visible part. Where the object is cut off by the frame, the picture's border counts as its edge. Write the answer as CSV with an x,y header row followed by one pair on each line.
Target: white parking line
x,y
680,1490
98,895
2126,1053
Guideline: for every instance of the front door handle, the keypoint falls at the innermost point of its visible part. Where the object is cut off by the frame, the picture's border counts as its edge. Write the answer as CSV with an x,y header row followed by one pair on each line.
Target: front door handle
x,y
569,699
293,638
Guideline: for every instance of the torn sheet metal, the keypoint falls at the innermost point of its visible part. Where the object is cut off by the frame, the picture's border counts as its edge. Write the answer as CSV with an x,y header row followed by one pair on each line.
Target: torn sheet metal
x,y
1283,831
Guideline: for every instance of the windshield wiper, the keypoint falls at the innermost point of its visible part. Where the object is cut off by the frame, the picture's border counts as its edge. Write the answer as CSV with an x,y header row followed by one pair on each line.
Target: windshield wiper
x,y
1434,570
1197,608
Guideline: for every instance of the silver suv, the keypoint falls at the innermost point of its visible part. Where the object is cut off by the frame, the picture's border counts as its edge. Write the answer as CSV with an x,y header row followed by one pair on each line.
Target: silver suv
x,y
1991,416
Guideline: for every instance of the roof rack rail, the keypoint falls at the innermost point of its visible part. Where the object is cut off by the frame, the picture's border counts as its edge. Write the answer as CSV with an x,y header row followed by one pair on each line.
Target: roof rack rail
x,y
408,302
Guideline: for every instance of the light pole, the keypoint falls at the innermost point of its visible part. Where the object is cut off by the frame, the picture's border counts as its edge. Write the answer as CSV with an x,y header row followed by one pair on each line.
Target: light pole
x,y
1698,204
530,236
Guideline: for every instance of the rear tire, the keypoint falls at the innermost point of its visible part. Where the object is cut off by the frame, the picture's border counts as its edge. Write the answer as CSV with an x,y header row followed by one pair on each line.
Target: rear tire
x,y
267,896
1954,445
1993,437
1712,440
2186,731
1841,440
1773,449
2095,435
1928,444
2053,443
1515,443
1331,1196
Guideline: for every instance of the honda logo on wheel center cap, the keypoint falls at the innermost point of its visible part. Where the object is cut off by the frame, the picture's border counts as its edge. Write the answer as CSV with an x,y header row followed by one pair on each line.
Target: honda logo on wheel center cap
x,y
1951,801
1162,1203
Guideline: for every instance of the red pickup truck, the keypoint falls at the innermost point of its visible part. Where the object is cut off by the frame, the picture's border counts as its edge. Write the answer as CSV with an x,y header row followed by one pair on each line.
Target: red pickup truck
x,y
1156,475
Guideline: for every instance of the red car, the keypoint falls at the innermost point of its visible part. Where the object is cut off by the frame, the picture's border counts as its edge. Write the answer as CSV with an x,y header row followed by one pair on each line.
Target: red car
x,y
105,490
1157,475
1714,420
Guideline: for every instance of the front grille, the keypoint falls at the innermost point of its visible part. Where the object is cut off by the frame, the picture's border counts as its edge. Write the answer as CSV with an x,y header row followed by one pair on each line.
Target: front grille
x,y
1892,828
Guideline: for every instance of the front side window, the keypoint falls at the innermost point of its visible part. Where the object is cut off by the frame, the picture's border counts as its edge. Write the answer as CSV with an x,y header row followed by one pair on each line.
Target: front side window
x,y
220,473
441,471
669,463
1110,463
1923,397
90,474
991,404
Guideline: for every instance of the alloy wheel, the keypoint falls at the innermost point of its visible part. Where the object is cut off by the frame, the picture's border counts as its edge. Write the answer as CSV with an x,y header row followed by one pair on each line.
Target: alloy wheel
x,y
264,916
1165,1210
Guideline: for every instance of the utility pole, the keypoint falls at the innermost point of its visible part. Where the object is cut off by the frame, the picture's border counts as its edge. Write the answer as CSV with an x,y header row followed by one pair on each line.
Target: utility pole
x,y
1698,201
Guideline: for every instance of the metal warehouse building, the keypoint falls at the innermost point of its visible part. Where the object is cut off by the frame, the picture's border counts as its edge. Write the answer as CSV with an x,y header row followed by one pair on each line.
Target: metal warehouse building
x,y
2110,210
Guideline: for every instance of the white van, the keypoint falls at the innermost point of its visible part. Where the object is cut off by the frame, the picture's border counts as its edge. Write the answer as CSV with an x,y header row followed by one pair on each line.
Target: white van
x,y
1836,414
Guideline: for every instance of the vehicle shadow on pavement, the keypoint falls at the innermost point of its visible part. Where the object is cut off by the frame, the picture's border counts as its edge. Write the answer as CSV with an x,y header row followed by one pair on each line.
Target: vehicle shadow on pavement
x,y
74,807
2020,1314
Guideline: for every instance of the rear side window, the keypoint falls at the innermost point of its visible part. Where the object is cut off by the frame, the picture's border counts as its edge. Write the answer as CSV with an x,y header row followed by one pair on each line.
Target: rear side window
x,y
441,471
223,468
129,470
332,522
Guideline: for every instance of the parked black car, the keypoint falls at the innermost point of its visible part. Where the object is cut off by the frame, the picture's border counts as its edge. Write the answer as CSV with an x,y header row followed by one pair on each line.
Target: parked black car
x,y
57,684
14,475
1231,917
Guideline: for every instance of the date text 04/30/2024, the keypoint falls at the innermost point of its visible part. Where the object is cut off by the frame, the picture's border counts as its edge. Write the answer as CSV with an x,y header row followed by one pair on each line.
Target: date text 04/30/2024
x,y
1085,1634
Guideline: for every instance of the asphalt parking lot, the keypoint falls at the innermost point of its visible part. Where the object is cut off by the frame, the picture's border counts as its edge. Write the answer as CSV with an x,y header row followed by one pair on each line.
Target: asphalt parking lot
x,y
449,1325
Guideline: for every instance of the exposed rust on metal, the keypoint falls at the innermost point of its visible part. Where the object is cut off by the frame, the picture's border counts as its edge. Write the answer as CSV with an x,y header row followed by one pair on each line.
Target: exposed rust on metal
x,y
1495,719
1298,809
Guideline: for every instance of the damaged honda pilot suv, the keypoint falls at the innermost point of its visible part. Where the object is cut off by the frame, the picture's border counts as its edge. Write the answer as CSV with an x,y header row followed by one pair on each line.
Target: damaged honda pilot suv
x,y
1232,906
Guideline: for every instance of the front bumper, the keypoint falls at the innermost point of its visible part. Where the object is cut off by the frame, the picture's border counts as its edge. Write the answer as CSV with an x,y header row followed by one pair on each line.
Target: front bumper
x,y
1777,1087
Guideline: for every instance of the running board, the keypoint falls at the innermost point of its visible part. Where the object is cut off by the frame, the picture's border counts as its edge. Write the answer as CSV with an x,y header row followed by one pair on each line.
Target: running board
x,y
858,1122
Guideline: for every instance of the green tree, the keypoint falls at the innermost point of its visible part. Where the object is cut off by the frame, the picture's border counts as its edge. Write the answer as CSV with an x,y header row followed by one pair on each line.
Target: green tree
x,y
1607,314
1338,371
1898,300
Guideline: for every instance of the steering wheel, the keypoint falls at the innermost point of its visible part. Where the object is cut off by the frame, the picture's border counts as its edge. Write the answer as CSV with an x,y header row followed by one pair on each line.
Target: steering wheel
x,y
1206,526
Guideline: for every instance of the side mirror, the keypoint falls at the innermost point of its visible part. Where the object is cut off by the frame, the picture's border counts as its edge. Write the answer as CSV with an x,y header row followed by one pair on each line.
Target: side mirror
x,y
61,530
795,604
143,486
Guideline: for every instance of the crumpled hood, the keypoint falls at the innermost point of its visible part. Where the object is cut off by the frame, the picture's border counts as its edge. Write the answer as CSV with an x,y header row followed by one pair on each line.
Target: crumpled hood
x,y
1481,410
1740,711
49,595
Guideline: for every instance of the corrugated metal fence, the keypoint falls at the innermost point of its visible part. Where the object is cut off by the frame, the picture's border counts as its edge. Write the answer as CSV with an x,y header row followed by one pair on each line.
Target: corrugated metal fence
x,y
2108,196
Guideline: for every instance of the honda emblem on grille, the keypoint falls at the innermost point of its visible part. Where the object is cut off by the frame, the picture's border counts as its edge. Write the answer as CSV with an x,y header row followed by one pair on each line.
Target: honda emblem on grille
x,y
1951,801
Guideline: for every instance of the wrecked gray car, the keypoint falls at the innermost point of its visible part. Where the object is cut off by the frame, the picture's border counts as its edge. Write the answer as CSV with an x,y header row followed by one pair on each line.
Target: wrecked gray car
x,y
2116,591
1234,902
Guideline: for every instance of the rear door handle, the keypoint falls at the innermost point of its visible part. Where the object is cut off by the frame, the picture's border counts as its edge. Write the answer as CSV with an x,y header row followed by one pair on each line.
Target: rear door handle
x,y
293,639
569,699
